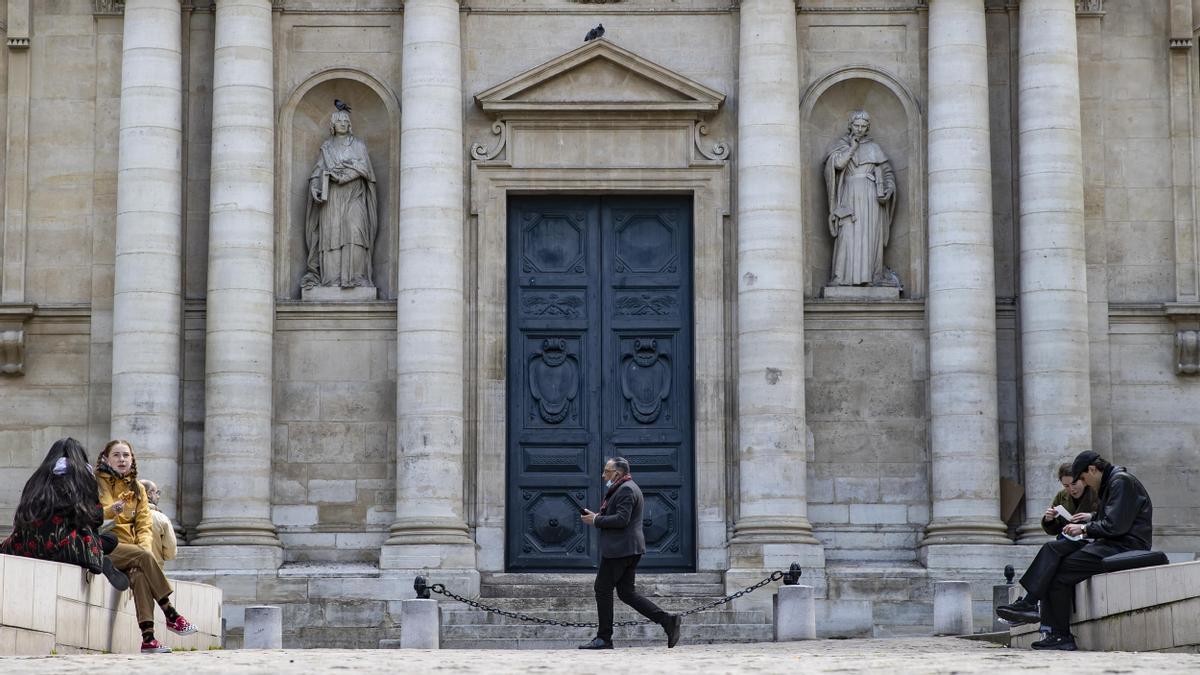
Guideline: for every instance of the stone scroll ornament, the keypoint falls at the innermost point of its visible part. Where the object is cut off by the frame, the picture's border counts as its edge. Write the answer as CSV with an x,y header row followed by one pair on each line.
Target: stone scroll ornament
x,y
342,218
861,186
553,380
646,380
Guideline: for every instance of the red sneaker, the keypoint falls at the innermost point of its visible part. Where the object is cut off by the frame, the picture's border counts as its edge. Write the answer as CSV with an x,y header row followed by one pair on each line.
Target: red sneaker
x,y
181,626
153,647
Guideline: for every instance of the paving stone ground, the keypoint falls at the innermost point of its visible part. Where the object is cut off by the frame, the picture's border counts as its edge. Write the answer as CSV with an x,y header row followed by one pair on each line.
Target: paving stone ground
x,y
889,657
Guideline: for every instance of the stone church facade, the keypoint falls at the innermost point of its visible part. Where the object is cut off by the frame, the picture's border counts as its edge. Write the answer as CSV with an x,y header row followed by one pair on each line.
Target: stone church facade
x,y
622,246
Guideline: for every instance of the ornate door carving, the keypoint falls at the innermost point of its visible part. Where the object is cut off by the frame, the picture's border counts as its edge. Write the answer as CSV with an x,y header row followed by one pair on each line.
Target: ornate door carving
x,y
599,365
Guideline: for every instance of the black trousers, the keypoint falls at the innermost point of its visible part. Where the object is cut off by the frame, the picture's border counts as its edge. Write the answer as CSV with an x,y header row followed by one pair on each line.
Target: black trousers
x,y
620,573
1038,577
1056,605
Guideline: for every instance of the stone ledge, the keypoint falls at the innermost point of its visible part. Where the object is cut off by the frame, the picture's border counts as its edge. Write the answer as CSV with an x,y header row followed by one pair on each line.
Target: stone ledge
x,y
1148,609
47,606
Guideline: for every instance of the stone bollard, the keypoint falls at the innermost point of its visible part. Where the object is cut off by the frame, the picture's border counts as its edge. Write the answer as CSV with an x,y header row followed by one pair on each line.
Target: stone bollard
x,y
1002,594
795,614
420,624
952,608
263,628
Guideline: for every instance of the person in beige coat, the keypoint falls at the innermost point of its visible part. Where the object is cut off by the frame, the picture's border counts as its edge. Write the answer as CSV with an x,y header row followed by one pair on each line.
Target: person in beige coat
x,y
161,528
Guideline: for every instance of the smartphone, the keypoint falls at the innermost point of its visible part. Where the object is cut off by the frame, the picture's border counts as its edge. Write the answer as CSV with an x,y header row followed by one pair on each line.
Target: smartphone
x,y
582,511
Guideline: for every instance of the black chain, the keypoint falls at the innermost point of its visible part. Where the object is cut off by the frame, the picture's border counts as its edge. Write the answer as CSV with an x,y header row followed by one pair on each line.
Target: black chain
x,y
441,590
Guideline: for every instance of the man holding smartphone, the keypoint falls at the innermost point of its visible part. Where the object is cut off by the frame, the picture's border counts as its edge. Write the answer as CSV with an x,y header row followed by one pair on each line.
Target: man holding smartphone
x,y
622,544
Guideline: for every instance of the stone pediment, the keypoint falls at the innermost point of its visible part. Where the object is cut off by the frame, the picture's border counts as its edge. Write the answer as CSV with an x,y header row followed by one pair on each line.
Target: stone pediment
x,y
600,77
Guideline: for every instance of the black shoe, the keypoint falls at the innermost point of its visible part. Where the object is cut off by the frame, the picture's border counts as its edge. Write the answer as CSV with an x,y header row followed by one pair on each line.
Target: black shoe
x,y
597,644
1020,612
1059,641
115,576
671,625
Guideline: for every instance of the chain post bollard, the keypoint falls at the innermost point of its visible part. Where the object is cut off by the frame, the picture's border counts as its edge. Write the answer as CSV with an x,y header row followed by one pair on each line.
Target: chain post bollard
x,y
420,619
440,589
1003,594
794,608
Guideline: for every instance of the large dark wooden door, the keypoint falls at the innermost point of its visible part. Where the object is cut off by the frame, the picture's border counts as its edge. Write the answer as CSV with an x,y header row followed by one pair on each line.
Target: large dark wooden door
x,y
599,365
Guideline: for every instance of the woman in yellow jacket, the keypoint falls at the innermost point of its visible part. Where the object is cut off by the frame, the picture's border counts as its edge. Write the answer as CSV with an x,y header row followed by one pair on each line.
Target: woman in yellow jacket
x,y
124,501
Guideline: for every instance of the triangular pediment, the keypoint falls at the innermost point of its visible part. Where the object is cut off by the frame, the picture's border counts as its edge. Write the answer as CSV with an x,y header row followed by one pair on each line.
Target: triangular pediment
x,y
599,77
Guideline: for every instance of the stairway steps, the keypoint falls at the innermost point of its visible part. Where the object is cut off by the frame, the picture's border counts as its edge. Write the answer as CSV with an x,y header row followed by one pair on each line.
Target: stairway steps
x,y
586,602
711,617
561,589
587,577
649,632
573,643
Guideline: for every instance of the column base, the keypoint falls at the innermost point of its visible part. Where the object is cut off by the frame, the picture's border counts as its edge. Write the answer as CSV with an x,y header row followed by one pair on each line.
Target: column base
x,y
1030,533
439,550
965,531
753,558
236,532
977,558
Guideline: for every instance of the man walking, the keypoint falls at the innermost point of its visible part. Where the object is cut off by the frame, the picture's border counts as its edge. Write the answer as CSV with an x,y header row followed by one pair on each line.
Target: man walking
x,y
621,547
1123,522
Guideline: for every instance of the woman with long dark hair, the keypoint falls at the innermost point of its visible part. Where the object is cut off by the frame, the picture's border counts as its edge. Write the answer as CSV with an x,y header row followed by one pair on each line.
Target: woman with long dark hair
x,y
59,514
124,500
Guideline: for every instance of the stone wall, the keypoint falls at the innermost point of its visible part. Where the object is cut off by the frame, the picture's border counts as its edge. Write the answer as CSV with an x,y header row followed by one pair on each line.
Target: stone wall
x,y
48,607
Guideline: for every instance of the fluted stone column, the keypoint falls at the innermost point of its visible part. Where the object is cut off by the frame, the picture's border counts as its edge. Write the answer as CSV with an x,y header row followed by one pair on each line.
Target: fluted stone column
x,y
147,300
430,529
961,303
1053,291
241,301
771,529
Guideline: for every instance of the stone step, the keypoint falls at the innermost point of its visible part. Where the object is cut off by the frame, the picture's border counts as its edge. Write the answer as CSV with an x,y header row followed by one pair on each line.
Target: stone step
x,y
709,633
586,578
710,617
559,589
573,643
582,602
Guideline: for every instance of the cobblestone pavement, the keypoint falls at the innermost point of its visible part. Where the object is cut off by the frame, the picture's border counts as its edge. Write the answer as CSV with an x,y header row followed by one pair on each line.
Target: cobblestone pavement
x,y
907,655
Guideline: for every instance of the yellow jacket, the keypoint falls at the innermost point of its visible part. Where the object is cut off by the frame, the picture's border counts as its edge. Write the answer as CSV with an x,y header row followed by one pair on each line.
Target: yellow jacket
x,y
134,525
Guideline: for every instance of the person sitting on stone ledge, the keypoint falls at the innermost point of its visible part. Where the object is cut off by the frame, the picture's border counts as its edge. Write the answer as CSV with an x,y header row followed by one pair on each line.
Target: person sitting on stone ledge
x,y
165,545
1076,497
1122,522
124,500
59,514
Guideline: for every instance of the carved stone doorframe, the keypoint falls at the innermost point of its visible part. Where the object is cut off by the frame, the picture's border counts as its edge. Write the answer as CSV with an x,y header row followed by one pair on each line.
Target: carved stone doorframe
x,y
491,184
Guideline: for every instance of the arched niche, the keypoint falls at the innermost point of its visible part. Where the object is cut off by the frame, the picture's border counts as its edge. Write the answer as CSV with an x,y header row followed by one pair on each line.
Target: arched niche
x,y
896,124
304,125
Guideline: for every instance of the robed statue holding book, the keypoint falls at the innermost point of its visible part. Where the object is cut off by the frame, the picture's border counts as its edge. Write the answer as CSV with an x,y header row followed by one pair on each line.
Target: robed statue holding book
x,y
862,202
343,215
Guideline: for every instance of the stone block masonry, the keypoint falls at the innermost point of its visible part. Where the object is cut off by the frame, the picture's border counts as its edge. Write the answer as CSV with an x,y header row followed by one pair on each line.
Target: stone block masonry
x,y
48,607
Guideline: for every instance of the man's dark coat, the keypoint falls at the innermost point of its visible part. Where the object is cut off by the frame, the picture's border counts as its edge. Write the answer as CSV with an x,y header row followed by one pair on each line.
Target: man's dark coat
x,y
620,523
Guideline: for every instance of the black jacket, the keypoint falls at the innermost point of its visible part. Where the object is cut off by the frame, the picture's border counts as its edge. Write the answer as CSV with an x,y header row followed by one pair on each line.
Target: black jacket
x,y
1124,520
620,523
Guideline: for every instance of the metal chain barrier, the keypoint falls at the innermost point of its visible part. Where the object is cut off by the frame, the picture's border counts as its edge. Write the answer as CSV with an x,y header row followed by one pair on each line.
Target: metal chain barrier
x,y
791,577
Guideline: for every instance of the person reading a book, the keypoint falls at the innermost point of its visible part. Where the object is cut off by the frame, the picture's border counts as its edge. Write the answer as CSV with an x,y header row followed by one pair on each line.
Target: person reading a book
x,y
1075,498
1123,521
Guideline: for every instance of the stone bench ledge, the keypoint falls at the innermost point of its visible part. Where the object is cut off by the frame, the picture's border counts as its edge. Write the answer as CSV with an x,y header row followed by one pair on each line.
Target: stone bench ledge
x,y
51,607
1147,609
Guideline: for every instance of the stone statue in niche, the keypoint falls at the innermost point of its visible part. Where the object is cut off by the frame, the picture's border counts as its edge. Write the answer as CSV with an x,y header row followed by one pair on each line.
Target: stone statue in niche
x,y
342,218
862,202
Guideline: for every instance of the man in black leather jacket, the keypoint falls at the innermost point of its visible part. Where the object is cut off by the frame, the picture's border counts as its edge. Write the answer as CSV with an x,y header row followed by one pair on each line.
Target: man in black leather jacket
x,y
1122,522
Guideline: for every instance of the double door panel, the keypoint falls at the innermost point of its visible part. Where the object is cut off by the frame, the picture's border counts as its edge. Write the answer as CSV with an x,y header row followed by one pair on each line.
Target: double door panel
x,y
599,365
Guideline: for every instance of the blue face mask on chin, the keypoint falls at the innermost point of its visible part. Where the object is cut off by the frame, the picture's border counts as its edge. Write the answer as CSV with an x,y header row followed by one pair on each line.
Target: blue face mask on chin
x,y
608,484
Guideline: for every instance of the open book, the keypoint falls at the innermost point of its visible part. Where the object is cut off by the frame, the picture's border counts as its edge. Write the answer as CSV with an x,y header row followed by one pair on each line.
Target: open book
x,y
1066,515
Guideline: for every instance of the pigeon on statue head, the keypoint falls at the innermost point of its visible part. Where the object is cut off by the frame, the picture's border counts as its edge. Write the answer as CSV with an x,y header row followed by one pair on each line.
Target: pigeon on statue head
x,y
341,105
597,32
